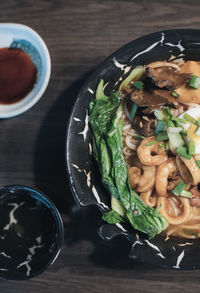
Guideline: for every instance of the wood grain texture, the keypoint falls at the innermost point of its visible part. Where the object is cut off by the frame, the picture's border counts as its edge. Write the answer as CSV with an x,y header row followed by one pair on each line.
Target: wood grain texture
x,y
79,35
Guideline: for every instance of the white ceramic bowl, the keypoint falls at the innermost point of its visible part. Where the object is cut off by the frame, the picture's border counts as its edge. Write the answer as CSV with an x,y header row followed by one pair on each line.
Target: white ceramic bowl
x,y
23,37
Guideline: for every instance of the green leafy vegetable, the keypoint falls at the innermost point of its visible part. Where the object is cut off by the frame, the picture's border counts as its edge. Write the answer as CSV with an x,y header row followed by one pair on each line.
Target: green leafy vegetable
x,y
107,129
117,206
112,217
138,84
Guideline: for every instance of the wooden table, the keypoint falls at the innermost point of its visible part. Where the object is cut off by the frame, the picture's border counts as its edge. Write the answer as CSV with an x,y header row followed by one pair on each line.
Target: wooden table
x,y
79,35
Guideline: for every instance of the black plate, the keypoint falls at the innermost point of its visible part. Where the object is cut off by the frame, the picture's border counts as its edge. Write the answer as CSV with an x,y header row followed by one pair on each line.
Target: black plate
x,y
87,189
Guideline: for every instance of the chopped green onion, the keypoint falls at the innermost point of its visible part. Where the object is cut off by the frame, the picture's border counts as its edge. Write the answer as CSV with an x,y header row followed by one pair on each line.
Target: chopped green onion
x,y
170,123
175,94
168,111
175,139
138,136
159,115
151,142
183,132
194,82
162,136
191,148
138,84
186,193
176,119
179,188
198,163
162,145
189,118
174,129
182,151
133,111
167,146
159,127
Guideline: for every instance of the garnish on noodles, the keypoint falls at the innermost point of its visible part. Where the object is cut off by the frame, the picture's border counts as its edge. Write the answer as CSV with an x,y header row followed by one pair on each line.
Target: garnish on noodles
x,y
146,141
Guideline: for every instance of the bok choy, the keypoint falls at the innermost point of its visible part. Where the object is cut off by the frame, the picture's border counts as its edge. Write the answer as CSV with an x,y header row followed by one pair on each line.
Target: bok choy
x,y
106,122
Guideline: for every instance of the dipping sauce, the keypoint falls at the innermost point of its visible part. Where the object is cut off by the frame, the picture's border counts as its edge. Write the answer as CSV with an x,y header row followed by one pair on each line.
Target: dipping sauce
x,y
17,75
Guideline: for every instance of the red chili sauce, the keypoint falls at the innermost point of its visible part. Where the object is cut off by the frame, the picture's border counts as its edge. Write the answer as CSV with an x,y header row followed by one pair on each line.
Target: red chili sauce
x,y
17,75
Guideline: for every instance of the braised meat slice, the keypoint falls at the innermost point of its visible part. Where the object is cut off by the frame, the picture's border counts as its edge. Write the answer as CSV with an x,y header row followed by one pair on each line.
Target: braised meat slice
x,y
167,76
155,99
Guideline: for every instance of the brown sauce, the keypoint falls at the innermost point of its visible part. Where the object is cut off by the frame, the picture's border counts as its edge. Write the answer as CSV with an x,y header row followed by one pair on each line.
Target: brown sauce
x,y
17,75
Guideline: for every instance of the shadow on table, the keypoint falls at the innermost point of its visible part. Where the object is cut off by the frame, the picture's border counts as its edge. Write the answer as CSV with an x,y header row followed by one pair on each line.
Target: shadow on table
x,y
49,160
50,177
84,225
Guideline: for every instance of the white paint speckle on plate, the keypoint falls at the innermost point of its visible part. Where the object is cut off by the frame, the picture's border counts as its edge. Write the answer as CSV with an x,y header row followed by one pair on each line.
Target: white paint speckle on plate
x,y
155,248
179,260
76,119
98,198
86,126
150,47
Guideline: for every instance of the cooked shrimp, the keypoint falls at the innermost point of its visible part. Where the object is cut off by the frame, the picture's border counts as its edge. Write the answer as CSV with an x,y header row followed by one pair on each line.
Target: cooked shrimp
x,y
164,172
175,210
152,155
142,180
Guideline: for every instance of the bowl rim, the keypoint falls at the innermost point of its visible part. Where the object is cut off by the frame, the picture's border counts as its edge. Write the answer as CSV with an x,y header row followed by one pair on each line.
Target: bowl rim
x,y
69,168
15,112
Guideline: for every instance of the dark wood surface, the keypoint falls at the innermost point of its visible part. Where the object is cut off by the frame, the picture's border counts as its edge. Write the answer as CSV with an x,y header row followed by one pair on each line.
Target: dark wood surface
x,y
79,35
